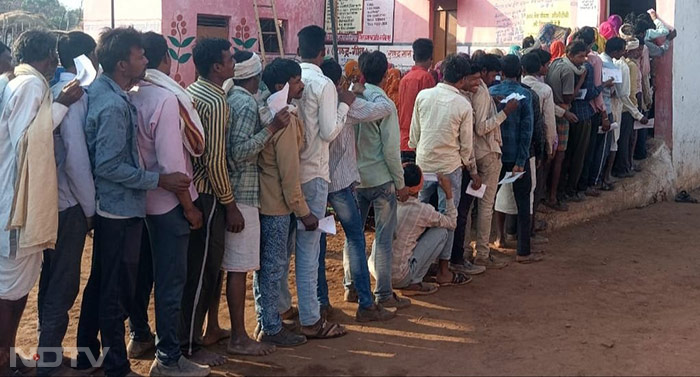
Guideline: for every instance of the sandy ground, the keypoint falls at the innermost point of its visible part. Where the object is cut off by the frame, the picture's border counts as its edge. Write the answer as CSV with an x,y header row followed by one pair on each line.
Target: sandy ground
x,y
617,296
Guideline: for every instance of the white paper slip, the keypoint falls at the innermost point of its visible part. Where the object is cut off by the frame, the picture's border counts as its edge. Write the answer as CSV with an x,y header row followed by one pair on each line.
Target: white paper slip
x,y
613,126
582,94
352,85
639,126
278,101
430,177
614,73
476,193
510,177
516,96
85,71
325,225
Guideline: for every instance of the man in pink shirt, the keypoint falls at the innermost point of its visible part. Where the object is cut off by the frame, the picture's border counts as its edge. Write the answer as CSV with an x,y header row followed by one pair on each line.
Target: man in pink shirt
x,y
169,218
415,80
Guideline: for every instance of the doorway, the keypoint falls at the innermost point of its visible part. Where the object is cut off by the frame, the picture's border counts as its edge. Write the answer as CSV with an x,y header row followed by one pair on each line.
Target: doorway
x,y
625,7
444,28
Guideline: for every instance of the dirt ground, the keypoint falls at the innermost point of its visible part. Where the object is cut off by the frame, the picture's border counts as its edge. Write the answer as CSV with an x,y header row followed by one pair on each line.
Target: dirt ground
x,y
616,296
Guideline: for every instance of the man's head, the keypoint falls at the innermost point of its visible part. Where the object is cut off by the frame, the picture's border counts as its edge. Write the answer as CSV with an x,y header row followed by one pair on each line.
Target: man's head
x,y
615,47
281,72
373,67
120,52
545,59
455,69
74,44
250,79
423,52
38,49
332,70
312,44
511,67
634,49
156,51
413,178
587,35
473,78
531,63
5,58
641,27
490,67
577,52
213,59
528,42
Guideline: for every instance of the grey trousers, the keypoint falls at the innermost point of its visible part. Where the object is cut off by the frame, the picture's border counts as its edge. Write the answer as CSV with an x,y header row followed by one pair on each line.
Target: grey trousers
x,y
431,244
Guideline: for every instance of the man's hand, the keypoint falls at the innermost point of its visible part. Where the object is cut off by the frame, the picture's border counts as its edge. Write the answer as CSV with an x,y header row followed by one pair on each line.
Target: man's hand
x,y
610,83
310,222
402,194
518,169
653,14
571,117
550,156
606,123
644,120
358,88
476,181
70,93
445,185
497,99
235,222
281,120
511,106
174,182
346,97
194,217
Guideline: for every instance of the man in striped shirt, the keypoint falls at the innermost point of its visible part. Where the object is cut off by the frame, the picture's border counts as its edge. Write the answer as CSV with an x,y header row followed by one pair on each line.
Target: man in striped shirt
x,y
215,64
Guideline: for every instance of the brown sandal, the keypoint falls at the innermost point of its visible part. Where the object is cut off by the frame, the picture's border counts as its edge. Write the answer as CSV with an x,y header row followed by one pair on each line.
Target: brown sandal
x,y
323,330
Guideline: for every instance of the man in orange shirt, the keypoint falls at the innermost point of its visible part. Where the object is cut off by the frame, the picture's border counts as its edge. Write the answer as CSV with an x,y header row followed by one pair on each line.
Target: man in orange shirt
x,y
415,80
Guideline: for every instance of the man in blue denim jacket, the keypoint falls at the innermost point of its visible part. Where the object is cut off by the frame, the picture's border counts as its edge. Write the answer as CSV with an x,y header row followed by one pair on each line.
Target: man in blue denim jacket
x,y
120,184
516,132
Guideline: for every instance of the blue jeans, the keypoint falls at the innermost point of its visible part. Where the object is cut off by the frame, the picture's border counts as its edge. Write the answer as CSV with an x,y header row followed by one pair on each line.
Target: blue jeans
x,y
344,204
273,260
308,249
383,198
284,301
428,191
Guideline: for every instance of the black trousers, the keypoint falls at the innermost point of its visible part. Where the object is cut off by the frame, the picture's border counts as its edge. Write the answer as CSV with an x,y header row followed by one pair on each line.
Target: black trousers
x,y
623,162
204,256
465,202
109,292
59,284
521,191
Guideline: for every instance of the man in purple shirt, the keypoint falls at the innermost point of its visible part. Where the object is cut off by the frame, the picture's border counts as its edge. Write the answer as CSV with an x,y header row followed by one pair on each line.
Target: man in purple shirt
x,y
169,218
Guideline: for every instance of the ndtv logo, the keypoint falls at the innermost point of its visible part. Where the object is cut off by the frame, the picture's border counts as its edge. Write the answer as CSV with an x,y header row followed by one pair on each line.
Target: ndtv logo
x,y
34,358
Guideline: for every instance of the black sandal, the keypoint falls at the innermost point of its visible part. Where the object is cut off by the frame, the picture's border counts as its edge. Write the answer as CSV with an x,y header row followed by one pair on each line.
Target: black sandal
x,y
323,330
684,197
458,278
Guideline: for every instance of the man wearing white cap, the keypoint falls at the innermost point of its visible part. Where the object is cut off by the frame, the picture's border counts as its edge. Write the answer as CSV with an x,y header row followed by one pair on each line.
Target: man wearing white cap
x,y
247,137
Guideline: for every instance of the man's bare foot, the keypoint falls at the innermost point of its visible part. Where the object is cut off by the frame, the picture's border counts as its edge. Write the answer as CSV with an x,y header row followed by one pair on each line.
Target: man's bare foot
x,y
213,336
249,347
205,357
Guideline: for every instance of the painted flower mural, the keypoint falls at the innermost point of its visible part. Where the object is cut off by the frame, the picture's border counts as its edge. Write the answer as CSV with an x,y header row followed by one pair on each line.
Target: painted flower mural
x,y
241,38
179,39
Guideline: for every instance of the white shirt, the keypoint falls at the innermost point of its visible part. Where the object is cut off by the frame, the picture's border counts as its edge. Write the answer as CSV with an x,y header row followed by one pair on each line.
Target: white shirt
x,y
19,105
323,120
544,92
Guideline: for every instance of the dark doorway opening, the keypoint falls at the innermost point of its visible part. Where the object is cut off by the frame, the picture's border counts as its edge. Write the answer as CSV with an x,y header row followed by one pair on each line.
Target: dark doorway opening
x,y
624,7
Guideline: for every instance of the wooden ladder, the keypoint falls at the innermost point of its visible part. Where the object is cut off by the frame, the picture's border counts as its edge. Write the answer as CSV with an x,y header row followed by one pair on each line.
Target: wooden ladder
x,y
271,6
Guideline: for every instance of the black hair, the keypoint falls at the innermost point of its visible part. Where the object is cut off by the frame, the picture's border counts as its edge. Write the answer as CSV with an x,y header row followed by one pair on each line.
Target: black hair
x,y
511,66
207,52
544,56
412,175
374,66
280,71
478,54
454,68
155,48
646,17
422,50
474,67
528,42
615,44
312,40
3,48
531,63
34,46
587,35
332,70
576,47
72,45
115,45
241,56
490,63
642,26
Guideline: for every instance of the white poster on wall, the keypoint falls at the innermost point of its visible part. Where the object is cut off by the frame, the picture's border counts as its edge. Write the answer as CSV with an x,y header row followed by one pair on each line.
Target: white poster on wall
x,y
587,13
400,56
365,22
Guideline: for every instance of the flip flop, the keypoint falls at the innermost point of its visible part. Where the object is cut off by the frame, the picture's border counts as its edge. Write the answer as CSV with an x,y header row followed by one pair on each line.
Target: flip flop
x,y
458,278
424,290
684,197
323,330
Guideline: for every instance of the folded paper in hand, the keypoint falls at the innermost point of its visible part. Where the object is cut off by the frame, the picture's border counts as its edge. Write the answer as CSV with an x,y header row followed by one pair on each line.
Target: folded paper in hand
x,y
278,101
430,177
582,94
510,177
85,71
639,126
325,225
476,193
613,126
516,96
